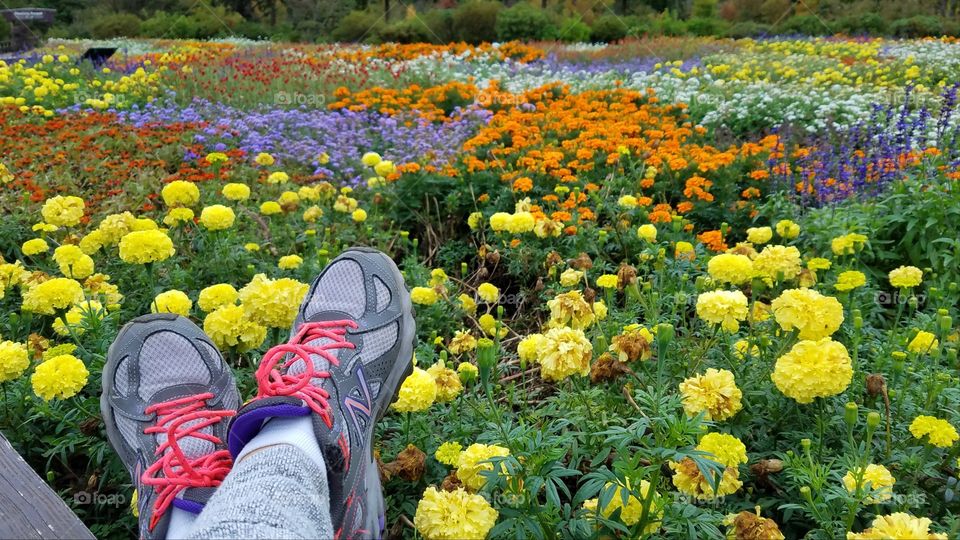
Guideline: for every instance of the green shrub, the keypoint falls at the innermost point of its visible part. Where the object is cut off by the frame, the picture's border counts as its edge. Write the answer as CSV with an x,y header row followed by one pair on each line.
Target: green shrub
x,y
706,26
808,25
4,30
406,31
918,26
524,22
609,28
358,26
440,23
253,30
669,26
704,9
476,21
169,25
115,25
747,29
573,30
867,23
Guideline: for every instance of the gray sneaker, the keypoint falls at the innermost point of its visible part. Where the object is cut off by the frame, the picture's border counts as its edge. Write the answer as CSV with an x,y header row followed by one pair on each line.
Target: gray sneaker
x,y
350,349
166,390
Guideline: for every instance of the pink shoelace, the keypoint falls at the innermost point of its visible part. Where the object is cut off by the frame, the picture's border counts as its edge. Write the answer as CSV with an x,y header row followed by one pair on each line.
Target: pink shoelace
x,y
273,378
174,471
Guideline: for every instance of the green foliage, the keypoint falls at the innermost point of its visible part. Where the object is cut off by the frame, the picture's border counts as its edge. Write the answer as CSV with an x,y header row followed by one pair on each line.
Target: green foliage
x,y
524,22
476,21
407,31
440,23
921,26
573,30
747,29
704,9
704,26
669,25
116,25
200,23
609,28
867,23
808,25
358,26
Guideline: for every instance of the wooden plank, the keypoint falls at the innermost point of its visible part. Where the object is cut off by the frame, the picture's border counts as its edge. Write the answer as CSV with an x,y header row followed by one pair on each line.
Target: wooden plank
x,y
29,509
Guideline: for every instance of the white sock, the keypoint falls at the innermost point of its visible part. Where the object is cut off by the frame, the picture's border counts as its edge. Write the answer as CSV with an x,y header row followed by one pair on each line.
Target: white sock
x,y
181,523
296,432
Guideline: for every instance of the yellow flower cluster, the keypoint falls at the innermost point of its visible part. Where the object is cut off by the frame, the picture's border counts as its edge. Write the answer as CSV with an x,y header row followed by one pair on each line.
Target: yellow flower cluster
x,y
448,453
172,301
561,352
272,303
180,193
230,328
898,526
142,247
217,217
214,296
14,360
51,296
777,263
63,211
632,510
726,450
454,515
905,277
939,432
715,394
725,308
730,268
813,369
475,460
875,480
61,377
570,309
813,315
417,393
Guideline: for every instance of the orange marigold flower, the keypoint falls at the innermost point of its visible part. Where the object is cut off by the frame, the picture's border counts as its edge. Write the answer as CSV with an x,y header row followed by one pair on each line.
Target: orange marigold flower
x,y
523,184
713,240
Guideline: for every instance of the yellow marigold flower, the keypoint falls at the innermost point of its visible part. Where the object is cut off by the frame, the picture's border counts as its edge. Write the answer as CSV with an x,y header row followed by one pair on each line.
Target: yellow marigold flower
x,y
217,217
730,268
632,510
815,316
116,226
547,228
11,274
500,221
454,515
462,342
447,380
34,246
74,263
787,229
229,328
94,241
488,292
570,309
344,204
370,159
778,263
45,227
424,296
309,193
627,201
876,480
312,214
474,220
939,432
684,250
272,303
600,310
898,526
607,281
906,277
813,369
270,208
849,280
144,224
488,323
742,348
216,157
214,296
264,159
14,360
725,308
923,343
172,301
289,201
565,352
690,481
468,304
385,168
570,277
726,450
529,347
714,393
236,191
177,216
141,247
759,235
467,372
63,211
76,315
99,286
521,222
438,277
59,377
417,392
648,232
474,460
819,263
847,244
53,295
290,262
449,453
180,193
251,247
359,215
5,175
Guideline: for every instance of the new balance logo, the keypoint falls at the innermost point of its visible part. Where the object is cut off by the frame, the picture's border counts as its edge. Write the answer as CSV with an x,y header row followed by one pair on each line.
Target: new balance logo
x,y
359,406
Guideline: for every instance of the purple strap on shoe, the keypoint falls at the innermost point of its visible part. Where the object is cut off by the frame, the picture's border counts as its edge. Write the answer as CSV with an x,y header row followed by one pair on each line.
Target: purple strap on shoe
x,y
247,424
190,506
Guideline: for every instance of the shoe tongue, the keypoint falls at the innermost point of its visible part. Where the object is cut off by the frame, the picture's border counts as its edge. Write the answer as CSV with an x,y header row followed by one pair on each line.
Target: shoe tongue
x,y
191,446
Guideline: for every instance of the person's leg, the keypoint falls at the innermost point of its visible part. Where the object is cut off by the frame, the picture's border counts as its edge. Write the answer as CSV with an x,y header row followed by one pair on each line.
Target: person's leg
x,y
350,349
166,394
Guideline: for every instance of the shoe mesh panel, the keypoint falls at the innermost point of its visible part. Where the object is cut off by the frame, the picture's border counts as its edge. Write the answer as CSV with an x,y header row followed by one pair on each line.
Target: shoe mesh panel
x,y
376,342
340,289
383,294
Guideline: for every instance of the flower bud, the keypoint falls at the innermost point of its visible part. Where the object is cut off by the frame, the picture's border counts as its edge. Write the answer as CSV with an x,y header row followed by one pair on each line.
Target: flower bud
x,y
664,334
913,302
805,443
850,414
946,323
873,419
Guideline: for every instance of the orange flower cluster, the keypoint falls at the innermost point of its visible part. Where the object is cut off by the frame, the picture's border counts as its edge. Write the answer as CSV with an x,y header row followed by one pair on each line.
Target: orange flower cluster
x,y
434,103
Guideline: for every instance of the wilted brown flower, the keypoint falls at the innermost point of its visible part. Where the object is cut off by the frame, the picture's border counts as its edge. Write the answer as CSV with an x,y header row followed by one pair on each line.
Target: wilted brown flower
x,y
409,465
607,368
